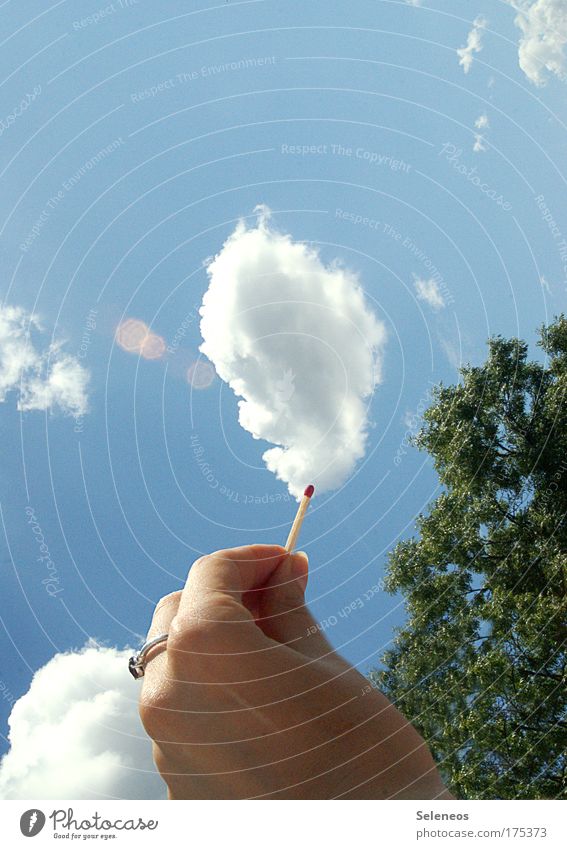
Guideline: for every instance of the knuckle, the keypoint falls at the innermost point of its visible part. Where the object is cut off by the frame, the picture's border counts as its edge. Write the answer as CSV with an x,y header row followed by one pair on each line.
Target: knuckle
x,y
153,707
199,567
167,600
191,637
202,561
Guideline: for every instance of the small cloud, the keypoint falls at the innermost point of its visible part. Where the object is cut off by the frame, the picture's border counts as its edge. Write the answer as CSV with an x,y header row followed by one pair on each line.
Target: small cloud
x,y
41,379
428,290
62,385
544,35
545,284
473,45
411,421
480,143
451,351
413,2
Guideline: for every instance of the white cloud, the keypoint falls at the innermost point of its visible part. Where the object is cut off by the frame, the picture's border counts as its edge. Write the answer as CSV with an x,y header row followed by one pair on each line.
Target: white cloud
x,y
413,2
410,421
41,379
544,283
76,733
544,34
298,342
473,45
428,290
479,143
452,352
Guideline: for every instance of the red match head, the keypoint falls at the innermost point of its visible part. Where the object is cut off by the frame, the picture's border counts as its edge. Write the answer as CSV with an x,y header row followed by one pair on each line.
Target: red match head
x,y
309,490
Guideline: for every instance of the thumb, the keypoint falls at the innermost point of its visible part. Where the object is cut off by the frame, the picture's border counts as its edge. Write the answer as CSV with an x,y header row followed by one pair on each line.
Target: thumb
x,y
283,615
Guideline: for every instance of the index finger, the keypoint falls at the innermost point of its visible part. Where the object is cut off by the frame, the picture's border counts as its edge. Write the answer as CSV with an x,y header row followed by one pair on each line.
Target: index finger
x,y
216,582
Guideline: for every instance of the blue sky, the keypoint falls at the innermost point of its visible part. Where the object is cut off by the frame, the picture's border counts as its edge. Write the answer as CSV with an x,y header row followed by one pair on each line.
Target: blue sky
x,y
358,132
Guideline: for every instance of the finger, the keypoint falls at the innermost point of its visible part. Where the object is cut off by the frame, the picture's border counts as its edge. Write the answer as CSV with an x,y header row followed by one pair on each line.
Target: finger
x,y
155,670
164,611
217,582
212,620
283,614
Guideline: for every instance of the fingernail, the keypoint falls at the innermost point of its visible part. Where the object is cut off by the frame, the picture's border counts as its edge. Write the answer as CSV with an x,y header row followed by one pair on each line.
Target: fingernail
x,y
301,568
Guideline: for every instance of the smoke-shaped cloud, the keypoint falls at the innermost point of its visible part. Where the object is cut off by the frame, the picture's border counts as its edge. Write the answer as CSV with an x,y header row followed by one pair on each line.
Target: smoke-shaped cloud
x,y
298,342
429,290
76,733
473,45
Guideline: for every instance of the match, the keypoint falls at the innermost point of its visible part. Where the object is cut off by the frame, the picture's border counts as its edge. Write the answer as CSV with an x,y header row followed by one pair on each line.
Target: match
x,y
299,517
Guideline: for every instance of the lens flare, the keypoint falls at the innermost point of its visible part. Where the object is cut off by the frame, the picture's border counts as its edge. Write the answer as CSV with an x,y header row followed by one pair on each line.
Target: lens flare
x,y
130,335
153,347
135,337
200,374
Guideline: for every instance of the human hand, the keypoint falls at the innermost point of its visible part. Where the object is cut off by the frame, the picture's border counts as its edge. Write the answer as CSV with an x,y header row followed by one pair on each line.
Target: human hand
x,y
248,700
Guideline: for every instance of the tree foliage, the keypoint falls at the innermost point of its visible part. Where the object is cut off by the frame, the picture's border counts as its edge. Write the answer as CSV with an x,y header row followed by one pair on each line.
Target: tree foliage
x,y
480,666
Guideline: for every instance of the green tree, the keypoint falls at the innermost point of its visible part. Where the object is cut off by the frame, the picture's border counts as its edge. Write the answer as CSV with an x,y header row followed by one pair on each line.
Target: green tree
x,y
480,666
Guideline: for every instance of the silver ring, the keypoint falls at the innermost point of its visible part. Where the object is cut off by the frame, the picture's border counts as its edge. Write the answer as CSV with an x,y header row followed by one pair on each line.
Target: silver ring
x,y
137,664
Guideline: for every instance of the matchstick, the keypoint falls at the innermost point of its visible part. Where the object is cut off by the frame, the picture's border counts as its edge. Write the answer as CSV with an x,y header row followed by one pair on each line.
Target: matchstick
x,y
299,517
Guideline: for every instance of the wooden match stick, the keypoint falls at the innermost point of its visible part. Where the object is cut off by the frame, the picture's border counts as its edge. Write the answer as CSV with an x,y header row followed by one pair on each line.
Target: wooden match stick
x,y
299,517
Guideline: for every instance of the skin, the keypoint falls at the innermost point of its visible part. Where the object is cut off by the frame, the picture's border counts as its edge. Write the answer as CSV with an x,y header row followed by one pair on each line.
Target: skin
x,y
243,701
